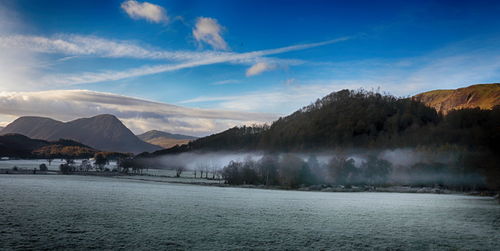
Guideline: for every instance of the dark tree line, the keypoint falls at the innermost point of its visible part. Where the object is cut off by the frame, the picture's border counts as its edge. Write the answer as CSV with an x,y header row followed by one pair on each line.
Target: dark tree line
x,y
291,171
359,119
362,119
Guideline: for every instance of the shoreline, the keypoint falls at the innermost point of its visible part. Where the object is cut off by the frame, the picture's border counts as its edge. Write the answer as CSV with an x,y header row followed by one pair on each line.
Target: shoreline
x,y
313,188
353,189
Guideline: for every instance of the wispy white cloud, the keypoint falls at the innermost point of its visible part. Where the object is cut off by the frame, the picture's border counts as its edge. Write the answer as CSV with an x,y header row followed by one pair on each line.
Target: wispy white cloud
x,y
138,114
77,45
242,58
227,82
400,77
259,68
282,100
151,12
209,31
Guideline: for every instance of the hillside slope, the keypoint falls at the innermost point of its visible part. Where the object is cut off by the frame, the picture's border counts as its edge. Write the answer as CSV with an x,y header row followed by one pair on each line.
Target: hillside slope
x,y
20,146
358,119
103,132
165,139
340,119
484,96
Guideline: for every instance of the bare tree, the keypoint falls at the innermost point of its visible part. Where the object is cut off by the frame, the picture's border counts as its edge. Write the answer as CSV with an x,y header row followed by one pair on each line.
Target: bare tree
x,y
178,171
201,167
85,166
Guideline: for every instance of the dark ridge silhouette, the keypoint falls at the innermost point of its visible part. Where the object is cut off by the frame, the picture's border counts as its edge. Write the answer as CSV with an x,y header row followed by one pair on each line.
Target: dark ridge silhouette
x,y
20,146
104,132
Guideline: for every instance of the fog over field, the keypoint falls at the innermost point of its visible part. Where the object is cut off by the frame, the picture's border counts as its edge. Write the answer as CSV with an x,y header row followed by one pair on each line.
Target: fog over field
x,y
397,157
401,164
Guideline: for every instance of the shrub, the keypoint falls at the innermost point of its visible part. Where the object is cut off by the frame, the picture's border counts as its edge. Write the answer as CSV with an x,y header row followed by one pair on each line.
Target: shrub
x,y
43,167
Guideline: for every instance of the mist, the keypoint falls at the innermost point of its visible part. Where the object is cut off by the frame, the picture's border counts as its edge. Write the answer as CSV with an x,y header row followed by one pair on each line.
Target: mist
x,y
400,166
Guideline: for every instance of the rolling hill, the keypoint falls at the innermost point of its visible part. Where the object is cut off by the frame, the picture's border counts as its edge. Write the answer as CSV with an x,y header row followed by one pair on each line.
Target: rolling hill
x,y
484,96
20,146
104,132
358,119
165,139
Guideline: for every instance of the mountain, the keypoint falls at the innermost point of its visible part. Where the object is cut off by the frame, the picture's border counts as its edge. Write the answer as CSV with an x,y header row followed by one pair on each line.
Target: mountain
x,y
1,128
341,119
156,134
165,139
104,132
358,119
20,146
484,96
466,141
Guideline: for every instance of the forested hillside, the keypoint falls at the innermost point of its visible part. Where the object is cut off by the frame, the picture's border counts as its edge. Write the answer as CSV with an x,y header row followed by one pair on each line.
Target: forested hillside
x,y
20,146
464,144
360,119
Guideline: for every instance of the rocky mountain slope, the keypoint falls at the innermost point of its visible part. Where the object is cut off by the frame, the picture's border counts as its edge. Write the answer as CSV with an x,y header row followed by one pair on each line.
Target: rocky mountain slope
x,y
165,139
484,96
103,132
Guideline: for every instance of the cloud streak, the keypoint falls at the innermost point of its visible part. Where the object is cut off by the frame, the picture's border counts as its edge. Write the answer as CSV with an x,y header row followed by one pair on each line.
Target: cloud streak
x,y
148,11
400,77
77,45
227,82
138,114
238,58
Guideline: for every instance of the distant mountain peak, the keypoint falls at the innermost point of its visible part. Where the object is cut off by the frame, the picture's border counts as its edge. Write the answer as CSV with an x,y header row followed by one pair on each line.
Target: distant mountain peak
x,y
157,133
104,132
110,117
165,139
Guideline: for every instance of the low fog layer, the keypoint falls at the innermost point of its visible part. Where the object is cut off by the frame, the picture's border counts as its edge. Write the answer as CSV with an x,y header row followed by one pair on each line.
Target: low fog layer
x,y
403,166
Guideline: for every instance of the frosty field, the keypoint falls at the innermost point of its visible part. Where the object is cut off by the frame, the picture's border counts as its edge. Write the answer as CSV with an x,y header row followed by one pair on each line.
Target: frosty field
x,y
31,164
68,212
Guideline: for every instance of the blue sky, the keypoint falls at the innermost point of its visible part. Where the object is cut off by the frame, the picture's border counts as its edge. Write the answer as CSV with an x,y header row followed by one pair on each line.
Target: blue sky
x,y
260,58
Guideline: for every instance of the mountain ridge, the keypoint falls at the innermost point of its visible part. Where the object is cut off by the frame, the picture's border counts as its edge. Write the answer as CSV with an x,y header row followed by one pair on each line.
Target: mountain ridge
x,y
104,132
165,139
358,119
151,134
484,96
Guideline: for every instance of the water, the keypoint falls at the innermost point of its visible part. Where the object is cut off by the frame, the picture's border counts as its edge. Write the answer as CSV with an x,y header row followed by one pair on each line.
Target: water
x,y
80,212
